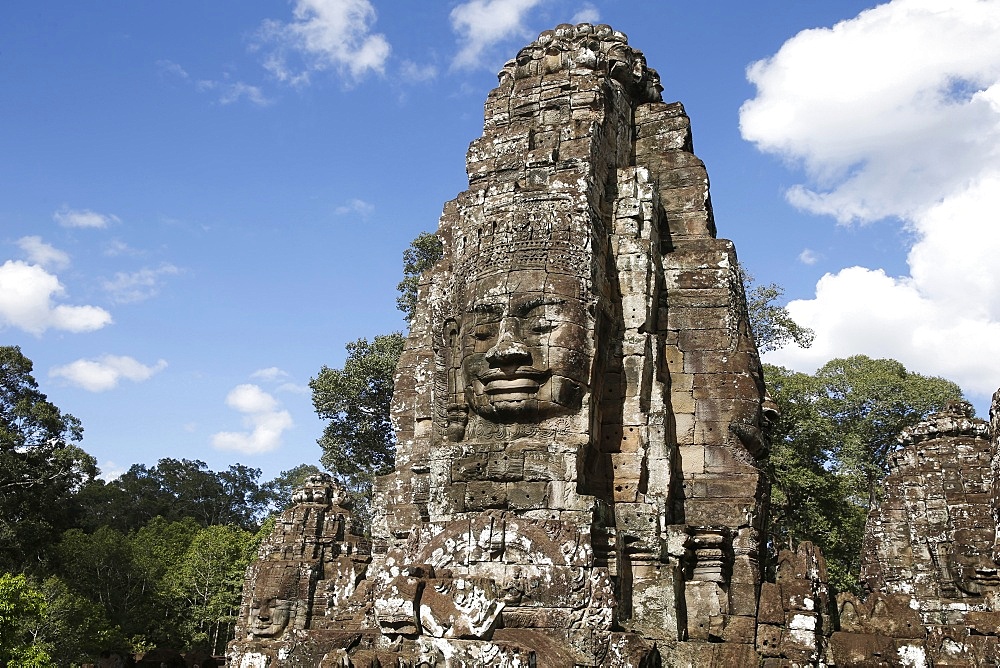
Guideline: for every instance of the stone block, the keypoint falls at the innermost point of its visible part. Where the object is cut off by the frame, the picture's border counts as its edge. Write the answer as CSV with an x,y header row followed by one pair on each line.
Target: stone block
x,y
684,425
544,465
743,598
396,606
769,639
739,629
857,649
710,512
528,495
692,459
707,608
484,495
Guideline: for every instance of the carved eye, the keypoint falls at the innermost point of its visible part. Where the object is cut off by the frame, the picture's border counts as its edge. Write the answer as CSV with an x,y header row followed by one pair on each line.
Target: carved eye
x,y
542,327
483,333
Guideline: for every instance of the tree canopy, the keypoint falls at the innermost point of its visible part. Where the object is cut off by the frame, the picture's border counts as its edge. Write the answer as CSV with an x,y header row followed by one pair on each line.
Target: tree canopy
x,y
831,449
176,489
40,466
22,606
772,326
358,442
422,253
285,483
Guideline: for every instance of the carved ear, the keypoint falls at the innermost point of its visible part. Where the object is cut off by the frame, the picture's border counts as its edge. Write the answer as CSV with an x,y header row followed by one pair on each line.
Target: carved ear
x,y
451,330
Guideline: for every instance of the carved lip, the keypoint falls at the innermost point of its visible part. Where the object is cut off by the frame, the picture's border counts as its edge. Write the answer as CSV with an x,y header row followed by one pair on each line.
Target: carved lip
x,y
522,381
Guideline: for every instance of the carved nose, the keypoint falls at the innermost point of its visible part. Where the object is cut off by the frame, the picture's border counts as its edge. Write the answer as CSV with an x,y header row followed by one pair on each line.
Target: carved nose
x,y
508,350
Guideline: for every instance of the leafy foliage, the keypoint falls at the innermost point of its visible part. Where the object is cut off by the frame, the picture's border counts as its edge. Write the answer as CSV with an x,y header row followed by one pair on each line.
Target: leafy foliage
x,y
831,449
176,489
358,443
209,580
102,566
22,607
771,324
422,254
168,583
73,629
40,468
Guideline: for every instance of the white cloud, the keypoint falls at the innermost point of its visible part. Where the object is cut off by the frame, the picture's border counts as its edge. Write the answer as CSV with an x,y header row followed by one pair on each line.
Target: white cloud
x,y
106,372
274,375
587,13
358,206
482,24
83,218
889,112
170,68
229,91
323,35
118,247
26,302
896,113
43,254
111,471
263,417
414,73
137,286
808,256
234,91
271,373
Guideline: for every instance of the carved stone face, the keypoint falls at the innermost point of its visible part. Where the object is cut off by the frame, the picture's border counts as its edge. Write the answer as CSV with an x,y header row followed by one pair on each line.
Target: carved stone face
x,y
269,618
524,347
972,568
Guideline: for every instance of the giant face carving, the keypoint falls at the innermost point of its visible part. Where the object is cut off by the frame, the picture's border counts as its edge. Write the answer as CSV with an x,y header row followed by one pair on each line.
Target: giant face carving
x,y
970,562
269,618
275,600
524,347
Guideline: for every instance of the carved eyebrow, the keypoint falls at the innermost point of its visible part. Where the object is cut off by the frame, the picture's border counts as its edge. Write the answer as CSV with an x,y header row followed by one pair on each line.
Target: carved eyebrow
x,y
486,307
529,305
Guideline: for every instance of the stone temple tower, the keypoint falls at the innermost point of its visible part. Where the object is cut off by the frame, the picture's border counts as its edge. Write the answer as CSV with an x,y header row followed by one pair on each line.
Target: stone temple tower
x,y
579,408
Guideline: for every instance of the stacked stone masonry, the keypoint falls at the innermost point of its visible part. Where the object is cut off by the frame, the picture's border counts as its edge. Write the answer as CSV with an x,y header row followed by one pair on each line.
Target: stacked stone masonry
x,y
582,433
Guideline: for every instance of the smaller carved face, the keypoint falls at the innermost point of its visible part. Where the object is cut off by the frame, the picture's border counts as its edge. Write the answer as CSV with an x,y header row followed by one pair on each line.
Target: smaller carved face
x,y
973,570
269,618
524,353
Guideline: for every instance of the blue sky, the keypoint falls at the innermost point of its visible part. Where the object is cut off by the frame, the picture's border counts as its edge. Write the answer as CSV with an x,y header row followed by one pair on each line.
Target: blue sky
x,y
201,203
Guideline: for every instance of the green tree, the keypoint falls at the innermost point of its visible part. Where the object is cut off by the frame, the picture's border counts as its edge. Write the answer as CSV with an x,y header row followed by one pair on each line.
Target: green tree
x,y
22,607
422,254
772,326
209,580
831,448
158,552
133,579
74,629
175,489
101,567
40,467
358,442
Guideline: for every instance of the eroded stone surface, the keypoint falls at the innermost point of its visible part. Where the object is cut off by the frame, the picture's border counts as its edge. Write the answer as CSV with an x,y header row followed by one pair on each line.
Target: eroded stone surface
x,y
578,407
929,552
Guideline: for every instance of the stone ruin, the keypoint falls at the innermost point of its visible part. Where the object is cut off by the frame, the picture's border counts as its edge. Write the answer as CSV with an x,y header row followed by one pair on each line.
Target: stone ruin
x,y
582,435
930,550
